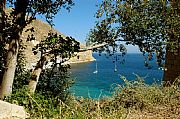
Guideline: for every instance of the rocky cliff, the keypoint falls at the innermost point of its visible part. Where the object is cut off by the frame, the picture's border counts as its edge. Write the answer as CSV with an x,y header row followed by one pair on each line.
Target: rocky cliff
x,y
41,30
80,57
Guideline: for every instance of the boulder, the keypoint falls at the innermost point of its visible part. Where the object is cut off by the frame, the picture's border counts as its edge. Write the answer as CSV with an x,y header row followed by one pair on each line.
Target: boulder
x,y
11,111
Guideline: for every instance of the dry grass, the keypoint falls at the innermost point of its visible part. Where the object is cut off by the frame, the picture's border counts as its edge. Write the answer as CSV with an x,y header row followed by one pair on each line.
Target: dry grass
x,y
135,100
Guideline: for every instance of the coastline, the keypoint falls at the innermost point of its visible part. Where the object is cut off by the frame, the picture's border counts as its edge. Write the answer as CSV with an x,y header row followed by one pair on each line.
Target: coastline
x,y
76,62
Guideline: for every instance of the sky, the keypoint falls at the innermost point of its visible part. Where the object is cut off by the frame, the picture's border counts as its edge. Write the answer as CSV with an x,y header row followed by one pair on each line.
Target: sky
x,y
78,22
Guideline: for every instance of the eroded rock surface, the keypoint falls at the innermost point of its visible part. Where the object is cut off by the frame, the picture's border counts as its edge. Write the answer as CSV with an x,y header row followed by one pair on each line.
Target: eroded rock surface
x,y
11,111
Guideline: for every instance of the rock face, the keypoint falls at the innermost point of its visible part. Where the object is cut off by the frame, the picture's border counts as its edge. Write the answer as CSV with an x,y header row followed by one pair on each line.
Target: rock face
x,y
41,30
11,111
80,57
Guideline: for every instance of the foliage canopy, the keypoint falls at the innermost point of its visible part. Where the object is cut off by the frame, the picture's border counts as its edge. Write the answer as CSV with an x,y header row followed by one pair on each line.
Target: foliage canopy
x,y
152,25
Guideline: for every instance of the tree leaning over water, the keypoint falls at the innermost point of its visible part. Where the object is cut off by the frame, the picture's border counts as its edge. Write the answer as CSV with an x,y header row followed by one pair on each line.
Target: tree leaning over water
x,y
22,13
54,49
152,25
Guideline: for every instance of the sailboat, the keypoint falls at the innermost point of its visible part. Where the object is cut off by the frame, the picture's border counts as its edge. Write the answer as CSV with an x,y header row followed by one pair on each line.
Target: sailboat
x,y
115,67
96,71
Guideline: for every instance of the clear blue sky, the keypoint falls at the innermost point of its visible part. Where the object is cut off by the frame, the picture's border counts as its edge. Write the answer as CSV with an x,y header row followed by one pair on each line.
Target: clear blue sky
x,y
78,22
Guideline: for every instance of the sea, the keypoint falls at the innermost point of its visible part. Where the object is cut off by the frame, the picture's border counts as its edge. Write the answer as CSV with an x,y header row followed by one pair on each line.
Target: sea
x,y
109,69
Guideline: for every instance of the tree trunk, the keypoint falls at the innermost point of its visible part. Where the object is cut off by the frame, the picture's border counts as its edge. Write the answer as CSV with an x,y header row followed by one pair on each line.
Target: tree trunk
x,y
11,59
8,76
172,67
33,82
173,58
2,9
36,74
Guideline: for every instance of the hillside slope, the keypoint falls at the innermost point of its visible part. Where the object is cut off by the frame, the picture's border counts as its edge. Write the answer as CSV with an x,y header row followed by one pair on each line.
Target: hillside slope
x,y
41,29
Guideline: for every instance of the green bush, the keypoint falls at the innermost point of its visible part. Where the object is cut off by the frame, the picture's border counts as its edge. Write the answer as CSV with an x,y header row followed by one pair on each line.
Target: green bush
x,y
51,91
132,96
36,105
55,82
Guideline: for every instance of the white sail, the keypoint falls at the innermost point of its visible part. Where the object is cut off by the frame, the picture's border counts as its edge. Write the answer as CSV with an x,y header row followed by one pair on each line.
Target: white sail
x,y
96,71
115,67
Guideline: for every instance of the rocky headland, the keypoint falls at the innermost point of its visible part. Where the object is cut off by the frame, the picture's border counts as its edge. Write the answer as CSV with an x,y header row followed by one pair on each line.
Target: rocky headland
x,y
41,30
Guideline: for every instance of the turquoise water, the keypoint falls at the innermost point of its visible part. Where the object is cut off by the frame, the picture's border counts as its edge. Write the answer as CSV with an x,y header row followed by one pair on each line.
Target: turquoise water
x,y
91,85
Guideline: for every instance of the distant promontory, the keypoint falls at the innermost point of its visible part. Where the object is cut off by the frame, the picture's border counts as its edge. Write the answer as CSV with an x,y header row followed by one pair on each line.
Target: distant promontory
x,y
41,30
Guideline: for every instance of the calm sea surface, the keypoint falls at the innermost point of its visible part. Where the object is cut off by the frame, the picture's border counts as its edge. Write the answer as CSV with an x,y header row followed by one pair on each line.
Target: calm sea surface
x,y
92,85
